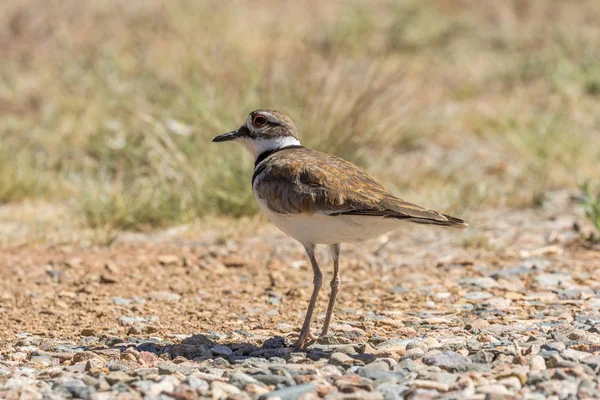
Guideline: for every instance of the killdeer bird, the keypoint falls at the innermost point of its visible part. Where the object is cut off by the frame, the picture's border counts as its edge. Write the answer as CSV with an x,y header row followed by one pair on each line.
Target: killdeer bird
x,y
318,198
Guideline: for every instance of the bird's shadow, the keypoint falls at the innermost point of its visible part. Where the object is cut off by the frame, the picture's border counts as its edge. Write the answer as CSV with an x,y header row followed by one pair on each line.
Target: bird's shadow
x,y
200,347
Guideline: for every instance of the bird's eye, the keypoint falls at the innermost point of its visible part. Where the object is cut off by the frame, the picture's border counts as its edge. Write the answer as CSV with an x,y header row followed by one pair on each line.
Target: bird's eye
x,y
259,121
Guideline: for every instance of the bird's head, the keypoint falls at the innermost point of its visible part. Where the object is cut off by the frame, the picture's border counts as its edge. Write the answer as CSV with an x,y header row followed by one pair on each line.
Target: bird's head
x,y
262,131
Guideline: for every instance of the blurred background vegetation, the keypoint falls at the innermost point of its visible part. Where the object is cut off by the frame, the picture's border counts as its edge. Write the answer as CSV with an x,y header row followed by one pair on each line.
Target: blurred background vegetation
x,y
109,106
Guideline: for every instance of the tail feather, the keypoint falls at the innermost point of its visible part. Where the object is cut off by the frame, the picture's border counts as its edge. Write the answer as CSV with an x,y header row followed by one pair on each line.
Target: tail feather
x,y
452,222
456,222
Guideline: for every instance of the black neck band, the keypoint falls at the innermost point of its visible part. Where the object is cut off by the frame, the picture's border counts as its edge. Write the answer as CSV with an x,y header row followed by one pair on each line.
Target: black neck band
x,y
261,157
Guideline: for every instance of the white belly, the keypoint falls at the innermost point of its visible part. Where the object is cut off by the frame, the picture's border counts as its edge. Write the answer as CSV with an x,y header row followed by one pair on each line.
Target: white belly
x,y
326,229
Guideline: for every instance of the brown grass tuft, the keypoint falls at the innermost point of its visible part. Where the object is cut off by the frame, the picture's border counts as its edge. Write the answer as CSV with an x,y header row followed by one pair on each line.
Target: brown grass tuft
x,y
110,106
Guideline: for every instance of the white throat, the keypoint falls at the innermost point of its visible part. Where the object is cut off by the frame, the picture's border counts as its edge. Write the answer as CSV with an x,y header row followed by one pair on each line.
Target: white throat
x,y
258,146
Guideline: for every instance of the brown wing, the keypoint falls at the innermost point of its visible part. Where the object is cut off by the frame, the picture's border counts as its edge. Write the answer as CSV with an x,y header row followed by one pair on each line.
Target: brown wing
x,y
303,181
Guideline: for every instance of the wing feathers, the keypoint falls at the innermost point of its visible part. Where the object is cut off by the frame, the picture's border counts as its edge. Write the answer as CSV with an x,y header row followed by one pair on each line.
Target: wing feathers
x,y
303,181
412,213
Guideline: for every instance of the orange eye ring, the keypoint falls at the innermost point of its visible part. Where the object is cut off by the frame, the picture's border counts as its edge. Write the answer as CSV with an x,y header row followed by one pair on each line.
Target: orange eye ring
x,y
259,120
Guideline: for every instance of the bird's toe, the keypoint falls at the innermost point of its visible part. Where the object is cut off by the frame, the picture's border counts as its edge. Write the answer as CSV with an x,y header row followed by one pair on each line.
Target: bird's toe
x,y
304,340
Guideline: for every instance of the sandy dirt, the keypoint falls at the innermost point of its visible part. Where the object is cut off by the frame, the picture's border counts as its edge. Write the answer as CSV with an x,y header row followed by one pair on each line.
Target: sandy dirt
x,y
518,268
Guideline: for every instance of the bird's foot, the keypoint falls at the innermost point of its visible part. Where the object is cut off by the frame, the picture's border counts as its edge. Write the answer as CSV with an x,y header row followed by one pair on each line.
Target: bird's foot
x,y
304,340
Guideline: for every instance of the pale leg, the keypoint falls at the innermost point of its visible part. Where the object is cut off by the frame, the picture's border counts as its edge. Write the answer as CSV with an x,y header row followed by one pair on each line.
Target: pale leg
x,y
305,335
335,286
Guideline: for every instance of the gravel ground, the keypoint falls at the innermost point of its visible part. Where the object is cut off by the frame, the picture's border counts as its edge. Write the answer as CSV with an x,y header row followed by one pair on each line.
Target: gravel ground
x,y
509,309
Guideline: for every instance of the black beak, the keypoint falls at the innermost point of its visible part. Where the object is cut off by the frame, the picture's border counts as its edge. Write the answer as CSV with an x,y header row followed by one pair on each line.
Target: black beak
x,y
226,136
